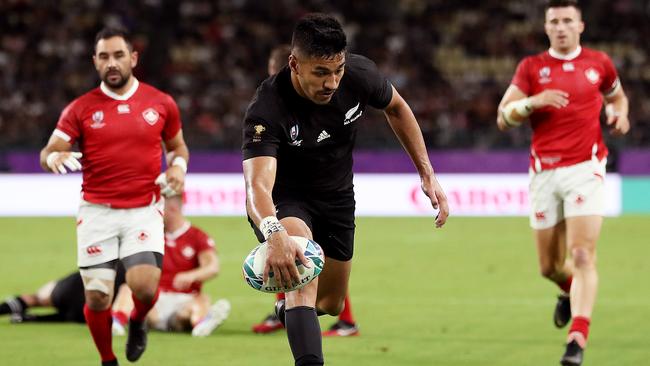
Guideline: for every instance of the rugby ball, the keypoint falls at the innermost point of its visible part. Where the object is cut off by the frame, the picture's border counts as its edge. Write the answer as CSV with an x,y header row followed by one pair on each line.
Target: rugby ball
x,y
253,268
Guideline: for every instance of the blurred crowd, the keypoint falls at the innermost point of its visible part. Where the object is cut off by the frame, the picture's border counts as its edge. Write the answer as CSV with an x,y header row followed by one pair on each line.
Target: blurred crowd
x,y
451,60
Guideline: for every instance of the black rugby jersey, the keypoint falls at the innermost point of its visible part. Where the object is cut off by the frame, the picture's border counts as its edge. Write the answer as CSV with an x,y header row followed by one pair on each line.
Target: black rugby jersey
x,y
312,143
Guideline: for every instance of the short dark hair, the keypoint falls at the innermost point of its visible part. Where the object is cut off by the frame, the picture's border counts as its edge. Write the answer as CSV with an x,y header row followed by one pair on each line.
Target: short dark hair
x,y
319,35
110,32
562,4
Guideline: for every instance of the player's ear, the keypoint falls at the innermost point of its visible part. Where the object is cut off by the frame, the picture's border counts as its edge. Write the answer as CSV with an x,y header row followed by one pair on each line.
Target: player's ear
x,y
293,63
134,58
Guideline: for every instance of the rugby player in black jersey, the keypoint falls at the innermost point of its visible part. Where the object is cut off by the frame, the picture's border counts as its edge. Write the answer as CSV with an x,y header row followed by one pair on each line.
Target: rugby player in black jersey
x,y
299,132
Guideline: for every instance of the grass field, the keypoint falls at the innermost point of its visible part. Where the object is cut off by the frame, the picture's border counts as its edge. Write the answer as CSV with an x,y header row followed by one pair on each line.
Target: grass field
x,y
469,294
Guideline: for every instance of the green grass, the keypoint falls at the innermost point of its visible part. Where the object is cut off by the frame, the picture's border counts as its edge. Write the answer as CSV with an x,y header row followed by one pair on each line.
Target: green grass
x,y
469,294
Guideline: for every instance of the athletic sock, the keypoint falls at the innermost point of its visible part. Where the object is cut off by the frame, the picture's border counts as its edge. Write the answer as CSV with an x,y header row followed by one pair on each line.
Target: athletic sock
x,y
13,305
566,285
303,332
99,323
140,309
279,296
580,324
346,314
121,317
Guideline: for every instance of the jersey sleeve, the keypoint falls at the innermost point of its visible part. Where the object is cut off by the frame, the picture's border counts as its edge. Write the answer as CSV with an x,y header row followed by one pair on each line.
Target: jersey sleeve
x,y
69,126
610,78
202,241
173,121
380,90
262,133
521,79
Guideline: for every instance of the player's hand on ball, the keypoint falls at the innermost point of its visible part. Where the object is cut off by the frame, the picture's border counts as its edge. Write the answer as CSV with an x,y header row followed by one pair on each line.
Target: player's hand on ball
x,y
175,178
550,97
433,190
281,259
58,161
183,281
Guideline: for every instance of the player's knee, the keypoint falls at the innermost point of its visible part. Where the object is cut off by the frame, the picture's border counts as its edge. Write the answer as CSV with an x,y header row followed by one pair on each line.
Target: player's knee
x,y
97,300
582,258
145,292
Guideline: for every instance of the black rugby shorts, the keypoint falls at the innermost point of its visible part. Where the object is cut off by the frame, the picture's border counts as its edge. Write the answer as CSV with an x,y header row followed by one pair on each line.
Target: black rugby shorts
x,y
329,216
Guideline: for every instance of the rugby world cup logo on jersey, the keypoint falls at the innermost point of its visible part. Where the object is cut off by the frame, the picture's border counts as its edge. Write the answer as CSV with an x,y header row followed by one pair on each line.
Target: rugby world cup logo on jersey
x,y
151,116
293,135
98,119
351,115
545,75
592,75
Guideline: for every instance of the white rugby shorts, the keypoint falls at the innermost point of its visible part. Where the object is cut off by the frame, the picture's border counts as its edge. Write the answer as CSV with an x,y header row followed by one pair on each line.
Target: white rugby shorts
x,y
575,190
105,234
167,305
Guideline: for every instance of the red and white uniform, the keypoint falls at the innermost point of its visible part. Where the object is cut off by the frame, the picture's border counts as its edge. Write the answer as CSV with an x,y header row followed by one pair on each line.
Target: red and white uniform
x,y
569,135
120,137
182,249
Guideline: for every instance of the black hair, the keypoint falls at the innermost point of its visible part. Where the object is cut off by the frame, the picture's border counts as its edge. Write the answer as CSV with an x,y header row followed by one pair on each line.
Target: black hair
x,y
562,4
110,32
319,35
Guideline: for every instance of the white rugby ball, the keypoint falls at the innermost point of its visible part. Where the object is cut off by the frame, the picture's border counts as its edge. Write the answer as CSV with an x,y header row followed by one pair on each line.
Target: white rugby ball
x,y
253,268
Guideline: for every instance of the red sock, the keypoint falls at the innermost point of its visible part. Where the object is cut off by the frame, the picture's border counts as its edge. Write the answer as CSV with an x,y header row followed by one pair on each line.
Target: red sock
x,y
121,317
99,323
580,324
346,314
566,285
141,309
279,295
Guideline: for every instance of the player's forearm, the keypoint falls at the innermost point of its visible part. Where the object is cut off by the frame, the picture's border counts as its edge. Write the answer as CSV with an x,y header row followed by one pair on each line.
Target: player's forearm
x,y
259,203
405,126
180,151
618,105
43,159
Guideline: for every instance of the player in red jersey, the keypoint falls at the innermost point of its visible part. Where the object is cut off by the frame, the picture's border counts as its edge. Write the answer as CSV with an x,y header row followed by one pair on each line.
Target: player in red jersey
x,y
119,128
561,92
345,325
190,259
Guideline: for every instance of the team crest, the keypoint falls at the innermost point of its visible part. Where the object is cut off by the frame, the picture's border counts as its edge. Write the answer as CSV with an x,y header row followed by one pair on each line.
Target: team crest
x,y
98,119
592,75
151,116
257,136
545,75
188,252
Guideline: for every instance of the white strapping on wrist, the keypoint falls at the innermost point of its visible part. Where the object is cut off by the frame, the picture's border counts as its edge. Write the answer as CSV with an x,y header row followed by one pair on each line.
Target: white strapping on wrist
x,y
523,107
270,225
180,162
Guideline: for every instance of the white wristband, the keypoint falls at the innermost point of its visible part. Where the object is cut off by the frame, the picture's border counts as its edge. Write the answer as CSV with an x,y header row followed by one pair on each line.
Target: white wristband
x,y
270,225
180,162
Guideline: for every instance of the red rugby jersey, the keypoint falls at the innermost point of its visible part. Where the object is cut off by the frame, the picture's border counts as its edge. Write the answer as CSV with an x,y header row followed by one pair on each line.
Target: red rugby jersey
x,y
120,137
182,249
572,134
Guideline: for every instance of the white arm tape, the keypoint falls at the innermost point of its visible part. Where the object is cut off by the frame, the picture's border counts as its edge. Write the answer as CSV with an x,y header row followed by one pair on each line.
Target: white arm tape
x,y
523,107
270,225
180,162
50,159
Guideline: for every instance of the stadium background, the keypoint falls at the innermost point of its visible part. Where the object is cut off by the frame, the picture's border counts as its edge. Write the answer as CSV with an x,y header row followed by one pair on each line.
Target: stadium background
x,y
451,60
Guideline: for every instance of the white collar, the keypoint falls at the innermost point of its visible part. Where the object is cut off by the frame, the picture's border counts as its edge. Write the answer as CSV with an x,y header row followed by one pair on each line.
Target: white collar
x,y
178,232
129,93
566,57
